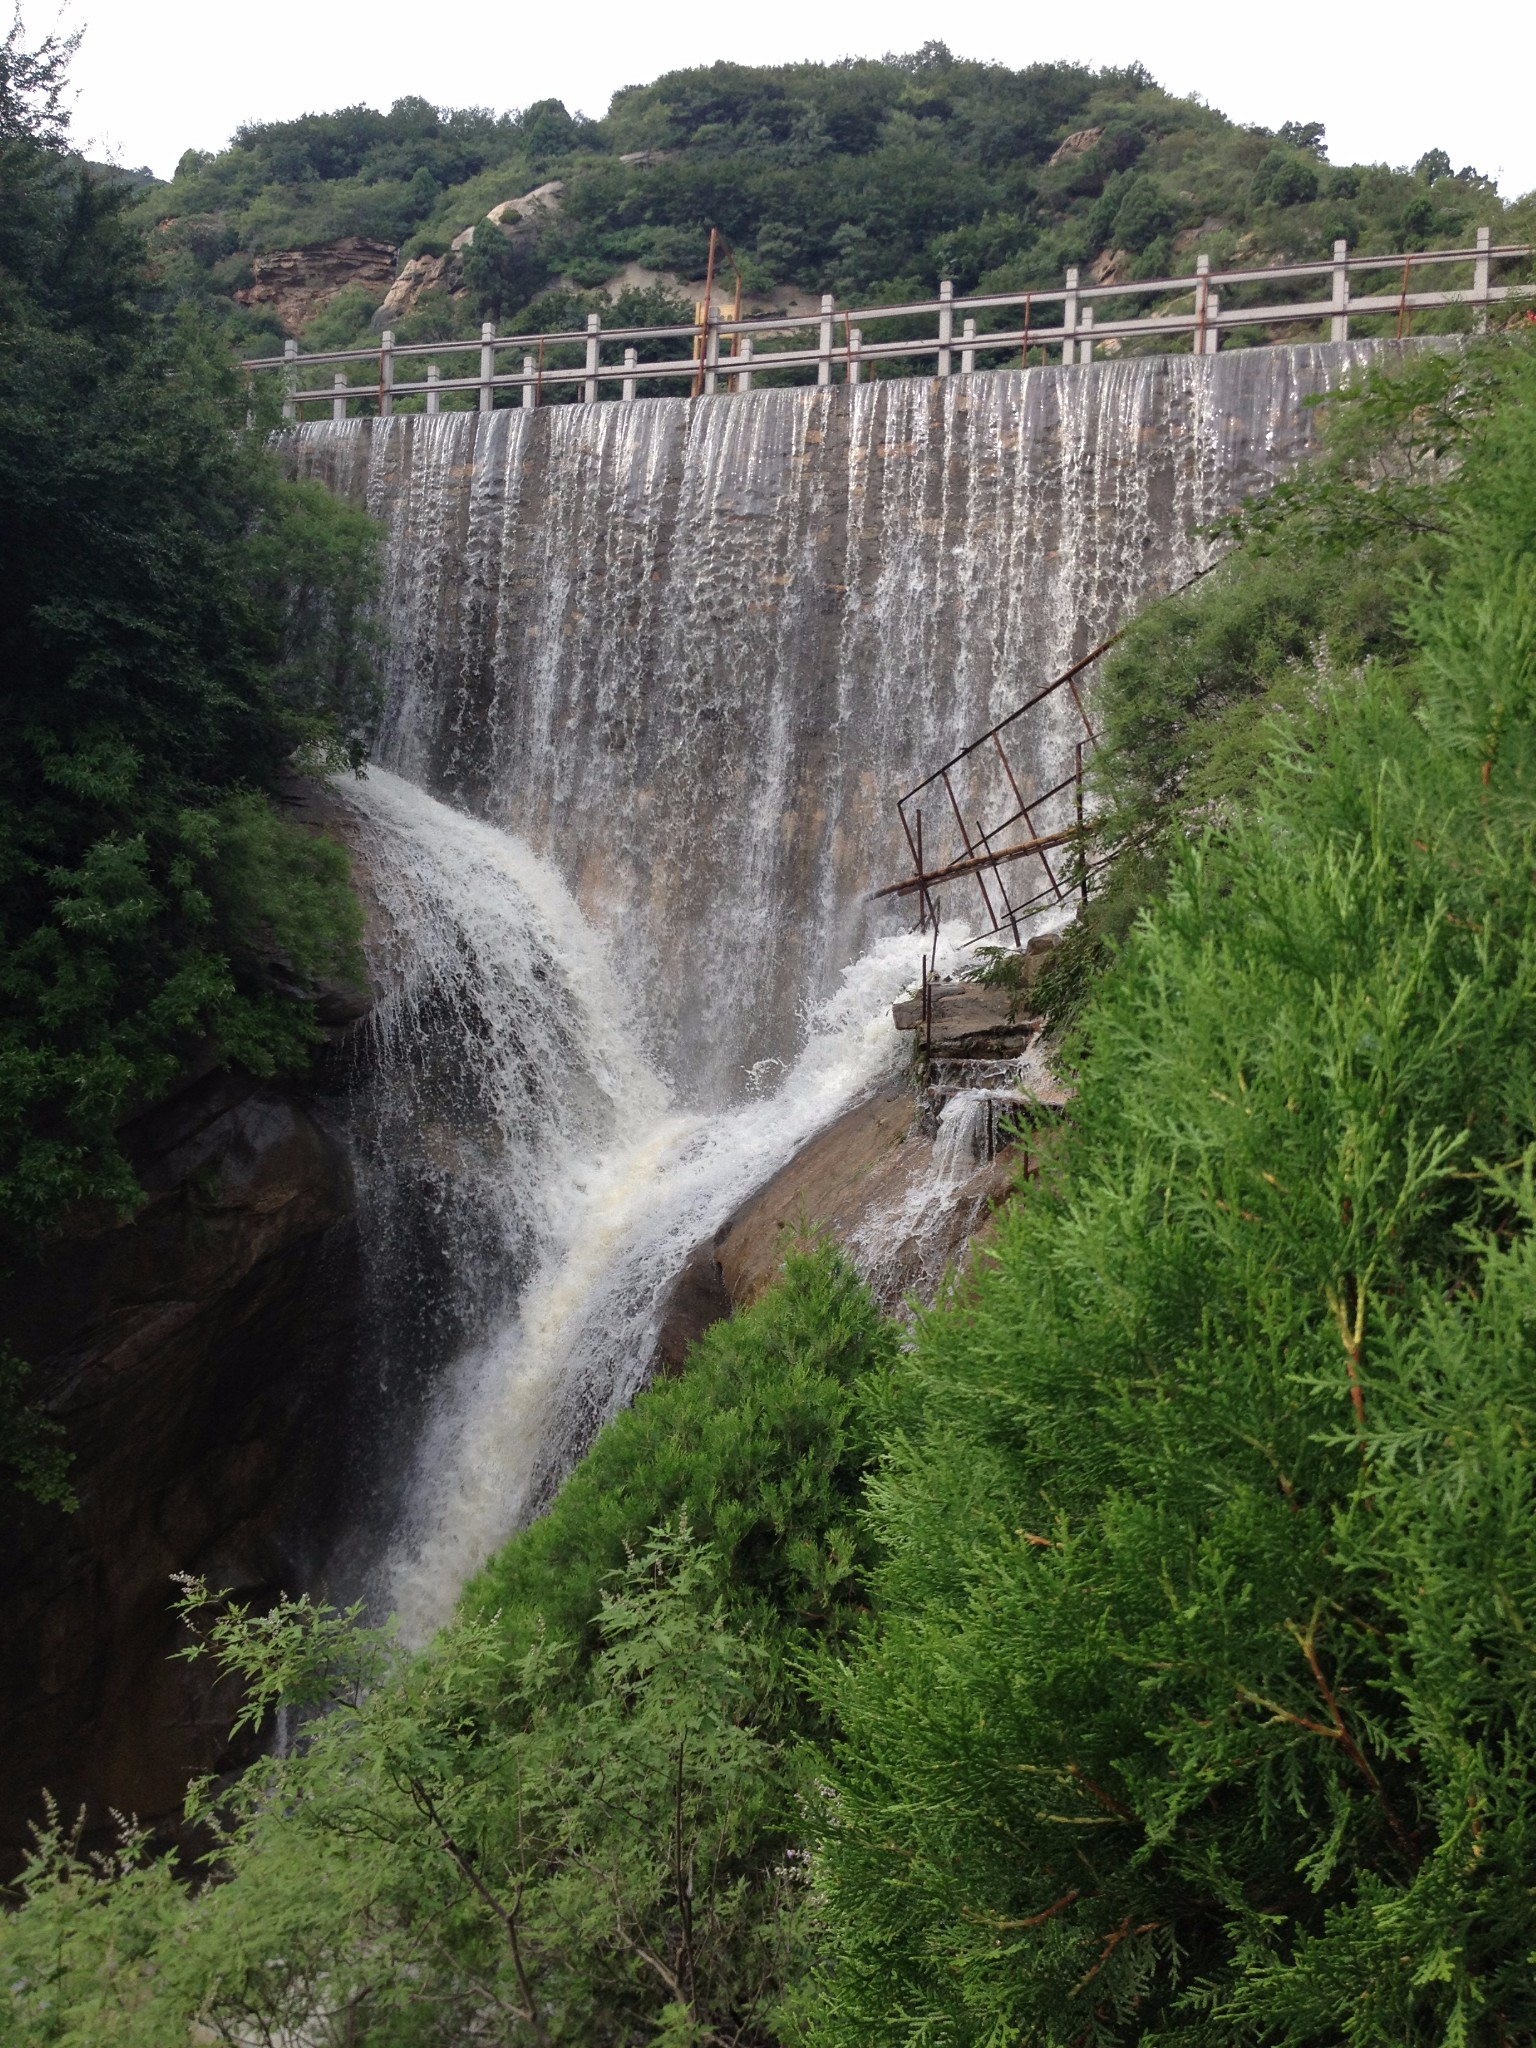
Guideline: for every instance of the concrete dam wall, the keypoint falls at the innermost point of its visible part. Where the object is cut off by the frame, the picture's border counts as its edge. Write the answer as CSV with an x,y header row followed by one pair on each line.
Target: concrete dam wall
x,y
691,651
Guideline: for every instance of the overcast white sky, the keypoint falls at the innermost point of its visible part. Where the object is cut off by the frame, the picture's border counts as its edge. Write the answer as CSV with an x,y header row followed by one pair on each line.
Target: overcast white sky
x,y
156,77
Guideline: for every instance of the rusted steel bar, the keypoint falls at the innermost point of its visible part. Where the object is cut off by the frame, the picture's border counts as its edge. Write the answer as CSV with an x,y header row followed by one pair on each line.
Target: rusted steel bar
x,y
911,885
1002,890
965,838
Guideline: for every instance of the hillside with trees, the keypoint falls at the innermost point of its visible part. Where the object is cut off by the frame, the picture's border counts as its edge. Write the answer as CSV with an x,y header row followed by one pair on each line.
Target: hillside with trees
x,y
869,179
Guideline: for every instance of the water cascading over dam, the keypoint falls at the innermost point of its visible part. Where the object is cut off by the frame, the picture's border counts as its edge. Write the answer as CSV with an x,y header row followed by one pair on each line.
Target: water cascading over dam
x,y
684,655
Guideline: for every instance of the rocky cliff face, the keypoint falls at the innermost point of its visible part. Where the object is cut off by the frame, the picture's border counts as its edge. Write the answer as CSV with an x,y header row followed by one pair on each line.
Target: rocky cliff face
x,y
198,1354
195,1354
297,283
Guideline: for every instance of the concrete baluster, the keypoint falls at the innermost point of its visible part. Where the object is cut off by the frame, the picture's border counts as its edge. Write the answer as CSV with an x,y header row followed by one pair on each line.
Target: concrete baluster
x,y
1480,283
1085,336
386,373
594,346
712,353
855,353
1338,329
1069,319
1202,303
743,379
946,323
339,405
487,365
432,377
290,379
1212,329
530,392
824,342
968,354
631,357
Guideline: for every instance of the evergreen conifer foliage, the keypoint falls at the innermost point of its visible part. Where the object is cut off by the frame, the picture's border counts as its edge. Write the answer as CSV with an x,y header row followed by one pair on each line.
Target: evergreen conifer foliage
x,y
1202,1699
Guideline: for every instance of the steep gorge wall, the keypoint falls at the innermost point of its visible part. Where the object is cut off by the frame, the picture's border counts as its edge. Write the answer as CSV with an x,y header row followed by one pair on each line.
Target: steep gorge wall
x,y
692,650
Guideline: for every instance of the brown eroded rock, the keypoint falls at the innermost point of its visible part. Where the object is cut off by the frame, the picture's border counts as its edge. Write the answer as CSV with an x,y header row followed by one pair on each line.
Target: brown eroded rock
x,y
869,1182
296,283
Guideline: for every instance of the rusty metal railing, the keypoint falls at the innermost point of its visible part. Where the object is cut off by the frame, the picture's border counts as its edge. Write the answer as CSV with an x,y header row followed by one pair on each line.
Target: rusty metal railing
x,y
1028,773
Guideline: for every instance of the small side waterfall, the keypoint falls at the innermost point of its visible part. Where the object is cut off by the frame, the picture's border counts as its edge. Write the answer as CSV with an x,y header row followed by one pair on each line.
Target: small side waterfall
x,y
658,672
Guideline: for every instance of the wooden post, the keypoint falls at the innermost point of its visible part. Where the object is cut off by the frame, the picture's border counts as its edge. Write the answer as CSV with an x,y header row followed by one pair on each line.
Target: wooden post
x,y
1480,283
946,323
339,405
968,350
1339,326
487,365
631,357
432,375
1085,336
594,345
1202,301
1212,330
386,373
712,352
743,378
1069,318
290,379
855,351
530,393
824,342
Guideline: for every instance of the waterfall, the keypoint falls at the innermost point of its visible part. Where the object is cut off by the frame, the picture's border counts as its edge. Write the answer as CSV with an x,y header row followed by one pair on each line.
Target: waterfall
x,y
529,1183
658,672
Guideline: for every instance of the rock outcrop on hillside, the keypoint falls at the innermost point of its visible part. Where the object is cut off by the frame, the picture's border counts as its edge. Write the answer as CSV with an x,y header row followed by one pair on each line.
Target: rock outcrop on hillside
x,y
296,283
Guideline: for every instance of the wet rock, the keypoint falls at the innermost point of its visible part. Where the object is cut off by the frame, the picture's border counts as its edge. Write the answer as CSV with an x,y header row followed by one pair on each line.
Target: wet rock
x,y
867,1181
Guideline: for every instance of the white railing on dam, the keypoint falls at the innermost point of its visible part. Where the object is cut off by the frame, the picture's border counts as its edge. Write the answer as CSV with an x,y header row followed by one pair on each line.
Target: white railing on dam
x,y
723,351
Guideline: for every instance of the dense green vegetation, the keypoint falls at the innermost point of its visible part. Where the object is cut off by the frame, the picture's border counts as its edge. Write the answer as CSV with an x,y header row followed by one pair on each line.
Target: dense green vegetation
x,y
1144,1652
1202,1701
867,178
178,625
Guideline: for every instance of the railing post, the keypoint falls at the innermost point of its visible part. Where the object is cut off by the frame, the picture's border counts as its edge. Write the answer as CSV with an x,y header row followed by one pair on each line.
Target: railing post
x,y
432,376
594,344
1085,336
855,353
1480,283
487,365
946,323
743,378
1212,329
631,357
1069,318
824,342
1339,326
712,353
530,393
968,353
290,379
1202,302
339,405
386,373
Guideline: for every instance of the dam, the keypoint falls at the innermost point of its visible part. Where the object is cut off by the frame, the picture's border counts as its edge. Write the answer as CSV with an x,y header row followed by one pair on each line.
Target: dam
x,y
656,674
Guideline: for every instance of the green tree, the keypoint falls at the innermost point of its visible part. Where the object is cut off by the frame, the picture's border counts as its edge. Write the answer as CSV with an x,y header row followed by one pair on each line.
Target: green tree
x,y
179,625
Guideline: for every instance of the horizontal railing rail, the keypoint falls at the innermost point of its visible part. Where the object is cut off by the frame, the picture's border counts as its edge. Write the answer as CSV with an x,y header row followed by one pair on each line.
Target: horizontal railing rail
x,y
722,352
